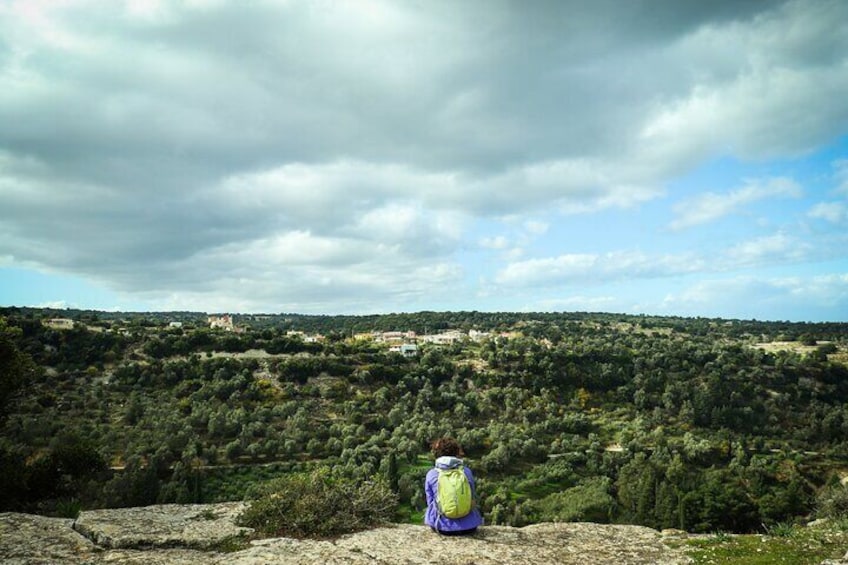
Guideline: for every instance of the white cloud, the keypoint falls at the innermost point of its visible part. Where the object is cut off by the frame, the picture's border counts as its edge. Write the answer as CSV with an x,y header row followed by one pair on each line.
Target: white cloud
x,y
578,303
823,297
548,270
494,242
753,85
535,227
711,206
56,304
775,248
840,167
603,268
833,212
382,280
827,290
411,226
290,249
598,268
326,155
513,254
523,232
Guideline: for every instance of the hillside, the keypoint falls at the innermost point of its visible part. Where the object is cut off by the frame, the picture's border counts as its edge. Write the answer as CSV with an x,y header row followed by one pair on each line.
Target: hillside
x,y
693,424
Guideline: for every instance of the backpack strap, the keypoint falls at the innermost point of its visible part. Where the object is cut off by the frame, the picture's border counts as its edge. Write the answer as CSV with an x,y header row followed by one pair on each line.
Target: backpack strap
x,y
438,504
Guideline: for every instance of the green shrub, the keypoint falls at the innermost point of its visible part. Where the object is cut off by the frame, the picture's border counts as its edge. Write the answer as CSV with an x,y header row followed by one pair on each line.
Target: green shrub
x,y
781,530
827,348
318,504
832,502
590,502
68,508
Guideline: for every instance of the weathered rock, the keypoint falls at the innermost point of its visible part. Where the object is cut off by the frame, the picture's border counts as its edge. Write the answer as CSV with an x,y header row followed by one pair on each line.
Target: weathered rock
x,y
192,526
155,557
843,561
186,534
25,538
408,544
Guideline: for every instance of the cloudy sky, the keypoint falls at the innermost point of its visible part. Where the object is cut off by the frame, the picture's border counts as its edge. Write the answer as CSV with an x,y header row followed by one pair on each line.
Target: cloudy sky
x,y
368,156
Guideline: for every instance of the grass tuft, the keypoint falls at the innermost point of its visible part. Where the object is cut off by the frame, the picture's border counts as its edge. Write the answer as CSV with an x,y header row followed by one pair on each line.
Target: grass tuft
x,y
785,544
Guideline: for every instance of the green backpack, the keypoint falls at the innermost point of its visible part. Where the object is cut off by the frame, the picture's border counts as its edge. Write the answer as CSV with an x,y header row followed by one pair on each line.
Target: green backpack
x,y
453,496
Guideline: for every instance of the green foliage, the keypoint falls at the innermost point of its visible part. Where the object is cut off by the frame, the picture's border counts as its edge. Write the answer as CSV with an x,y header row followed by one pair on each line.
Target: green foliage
x,y
666,422
14,472
72,465
808,339
222,484
138,484
827,349
590,501
318,504
16,368
832,502
788,545
781,530
68,508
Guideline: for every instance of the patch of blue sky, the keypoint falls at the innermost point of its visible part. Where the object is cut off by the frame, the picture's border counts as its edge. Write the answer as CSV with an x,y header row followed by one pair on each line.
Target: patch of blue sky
x,y
741,288
720,296
28,287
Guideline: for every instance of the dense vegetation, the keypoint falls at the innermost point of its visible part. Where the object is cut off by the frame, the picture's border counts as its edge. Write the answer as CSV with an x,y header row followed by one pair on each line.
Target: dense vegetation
x,y
318,504
666,422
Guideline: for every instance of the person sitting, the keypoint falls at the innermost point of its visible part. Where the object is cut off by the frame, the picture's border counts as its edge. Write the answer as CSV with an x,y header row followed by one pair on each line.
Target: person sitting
x,y
451,491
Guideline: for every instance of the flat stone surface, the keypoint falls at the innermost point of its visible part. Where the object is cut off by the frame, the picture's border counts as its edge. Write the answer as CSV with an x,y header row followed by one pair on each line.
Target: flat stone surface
x,y
565,544
408,544
186,534
26,538
155,557
192,526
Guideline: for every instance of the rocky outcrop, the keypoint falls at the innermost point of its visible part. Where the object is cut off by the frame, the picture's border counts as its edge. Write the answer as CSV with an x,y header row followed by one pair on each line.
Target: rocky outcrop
x,y
843,561
189,526
541,543
183,534
25,538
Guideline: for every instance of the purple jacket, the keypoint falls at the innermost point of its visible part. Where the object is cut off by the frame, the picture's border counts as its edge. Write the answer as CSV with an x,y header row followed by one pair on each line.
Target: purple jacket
x,y
432,517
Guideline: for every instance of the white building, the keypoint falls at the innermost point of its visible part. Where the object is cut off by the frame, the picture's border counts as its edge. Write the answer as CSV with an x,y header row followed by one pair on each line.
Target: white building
x,y
477,335
306,338
224,322
444,338
59,323
405,349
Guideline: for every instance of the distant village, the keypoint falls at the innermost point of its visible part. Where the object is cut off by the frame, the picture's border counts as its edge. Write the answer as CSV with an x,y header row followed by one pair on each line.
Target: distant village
x,y
405,343
402,342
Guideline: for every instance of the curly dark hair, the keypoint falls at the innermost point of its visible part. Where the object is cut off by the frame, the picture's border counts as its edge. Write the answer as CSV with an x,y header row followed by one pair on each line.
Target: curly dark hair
x,y
446,446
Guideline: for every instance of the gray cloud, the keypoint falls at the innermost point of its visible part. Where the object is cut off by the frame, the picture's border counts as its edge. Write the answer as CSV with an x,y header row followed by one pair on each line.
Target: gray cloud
x,y
175,147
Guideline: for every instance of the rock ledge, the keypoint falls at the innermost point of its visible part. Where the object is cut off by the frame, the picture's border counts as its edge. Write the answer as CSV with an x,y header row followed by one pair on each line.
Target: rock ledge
x,y
183,534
